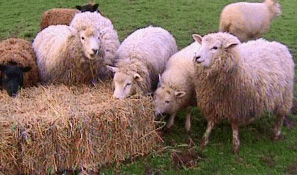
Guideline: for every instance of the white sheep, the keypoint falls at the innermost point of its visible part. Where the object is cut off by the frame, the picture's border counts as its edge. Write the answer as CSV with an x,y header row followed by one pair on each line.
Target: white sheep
x,y
141,58
248,20
65,55
242,81
109,37
176,87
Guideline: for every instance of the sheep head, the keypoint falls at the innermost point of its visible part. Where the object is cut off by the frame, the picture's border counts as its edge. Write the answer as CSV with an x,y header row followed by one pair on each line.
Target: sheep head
x,y
274,8
91,42
213,46
124,82
166,100
11,77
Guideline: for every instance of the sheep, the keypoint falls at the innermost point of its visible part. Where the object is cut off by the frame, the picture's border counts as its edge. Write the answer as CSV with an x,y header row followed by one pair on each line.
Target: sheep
x,y
109,37
66,55
17,57
141,58
240,82
176,88
57,16
63,16
248,20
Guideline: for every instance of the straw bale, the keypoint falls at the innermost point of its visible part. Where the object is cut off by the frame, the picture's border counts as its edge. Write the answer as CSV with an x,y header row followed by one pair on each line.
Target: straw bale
x,y
48,129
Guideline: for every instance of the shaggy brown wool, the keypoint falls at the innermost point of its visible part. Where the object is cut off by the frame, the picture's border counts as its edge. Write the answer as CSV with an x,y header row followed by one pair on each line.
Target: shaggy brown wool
x,y
20,51
57,16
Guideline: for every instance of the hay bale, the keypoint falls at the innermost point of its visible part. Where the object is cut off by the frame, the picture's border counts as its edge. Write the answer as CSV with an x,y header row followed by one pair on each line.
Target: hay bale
x,y
47,129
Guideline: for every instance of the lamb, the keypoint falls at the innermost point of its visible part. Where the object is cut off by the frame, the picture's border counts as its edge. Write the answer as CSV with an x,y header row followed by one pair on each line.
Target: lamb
x,y
17,57
248,20
63,16
176,88
109,37
240,82
65,55
141,58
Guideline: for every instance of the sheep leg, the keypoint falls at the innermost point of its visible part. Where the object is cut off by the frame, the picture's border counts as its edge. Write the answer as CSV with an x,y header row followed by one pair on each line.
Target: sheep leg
x,y
205,138
188,119
278,127
236,141
171,121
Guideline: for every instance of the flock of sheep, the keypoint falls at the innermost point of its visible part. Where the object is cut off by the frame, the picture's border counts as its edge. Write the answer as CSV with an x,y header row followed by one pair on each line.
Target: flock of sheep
x,y
223,73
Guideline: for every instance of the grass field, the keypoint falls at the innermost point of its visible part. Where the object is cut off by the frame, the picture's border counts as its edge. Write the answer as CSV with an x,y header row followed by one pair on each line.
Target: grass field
x,y
258,154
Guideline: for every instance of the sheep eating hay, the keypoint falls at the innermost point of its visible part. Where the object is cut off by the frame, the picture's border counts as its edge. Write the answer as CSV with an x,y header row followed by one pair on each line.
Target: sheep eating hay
x,y
176,87
141,58
248,20
53,128
17,65
242,81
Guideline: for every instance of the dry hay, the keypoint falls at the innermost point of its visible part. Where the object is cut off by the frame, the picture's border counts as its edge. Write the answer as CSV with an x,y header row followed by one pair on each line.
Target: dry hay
x,y
46,129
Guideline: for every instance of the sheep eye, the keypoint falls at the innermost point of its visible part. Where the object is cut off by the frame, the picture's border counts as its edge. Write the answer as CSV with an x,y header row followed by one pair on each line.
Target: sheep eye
x,y
82,38
167,101
215,48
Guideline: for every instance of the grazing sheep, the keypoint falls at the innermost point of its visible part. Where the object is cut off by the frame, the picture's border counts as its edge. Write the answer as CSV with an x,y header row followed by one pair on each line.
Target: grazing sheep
x,y
176,87
242,81
17,57
248,20
65,55
109,37
141,58
63,16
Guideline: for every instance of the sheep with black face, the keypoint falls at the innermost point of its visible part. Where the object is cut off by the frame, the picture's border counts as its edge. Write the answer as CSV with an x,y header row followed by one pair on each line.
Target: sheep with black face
x,y
18,66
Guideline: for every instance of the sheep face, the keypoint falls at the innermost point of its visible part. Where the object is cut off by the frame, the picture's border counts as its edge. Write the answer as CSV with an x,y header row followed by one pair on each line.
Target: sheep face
x,y
88,8
90,40
12,78
213,46
166,100
124,82
274,7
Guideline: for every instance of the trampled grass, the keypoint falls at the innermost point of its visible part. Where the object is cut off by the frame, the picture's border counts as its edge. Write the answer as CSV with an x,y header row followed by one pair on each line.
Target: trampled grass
x,y
258,154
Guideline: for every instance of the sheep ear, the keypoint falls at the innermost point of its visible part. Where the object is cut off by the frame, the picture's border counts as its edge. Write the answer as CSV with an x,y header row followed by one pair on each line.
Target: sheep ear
x,y
160,79
95,7
197,38
137,77
231,43
180,94
113,69
26,69
3,67
78,7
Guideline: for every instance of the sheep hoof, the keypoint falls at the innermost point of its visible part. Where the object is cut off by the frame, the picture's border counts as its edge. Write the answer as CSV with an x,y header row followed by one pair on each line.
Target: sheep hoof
x,y
277,138
235,151
203,143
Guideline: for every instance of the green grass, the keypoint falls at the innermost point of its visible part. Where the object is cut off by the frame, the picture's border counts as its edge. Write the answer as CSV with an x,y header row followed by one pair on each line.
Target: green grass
x,y
258,154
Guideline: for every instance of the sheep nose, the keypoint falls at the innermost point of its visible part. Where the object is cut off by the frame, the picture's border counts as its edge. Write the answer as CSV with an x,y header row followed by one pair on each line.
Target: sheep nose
x,y
95,51
197,59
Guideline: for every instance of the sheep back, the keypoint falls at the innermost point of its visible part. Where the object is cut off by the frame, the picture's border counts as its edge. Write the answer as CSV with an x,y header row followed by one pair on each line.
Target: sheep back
x,y
146,52
20,51
57,16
